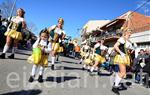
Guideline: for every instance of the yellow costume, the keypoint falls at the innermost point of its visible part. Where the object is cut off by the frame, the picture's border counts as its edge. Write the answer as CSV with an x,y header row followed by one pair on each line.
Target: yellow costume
x,y
99,53
15,28
55,46
99,58
119,60
89,60
39,57
82,53
61,49
56,36
84,50
124,46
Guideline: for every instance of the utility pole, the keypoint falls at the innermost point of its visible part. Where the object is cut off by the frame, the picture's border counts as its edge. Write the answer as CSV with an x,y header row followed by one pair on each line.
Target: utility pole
x,y
12,9
0,18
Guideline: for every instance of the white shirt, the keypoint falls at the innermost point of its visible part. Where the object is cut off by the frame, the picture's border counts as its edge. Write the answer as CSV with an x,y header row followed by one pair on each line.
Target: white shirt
x,y
97,45
57,30
86,47
121,40
102,47
17,19
127,43
43,43
84,42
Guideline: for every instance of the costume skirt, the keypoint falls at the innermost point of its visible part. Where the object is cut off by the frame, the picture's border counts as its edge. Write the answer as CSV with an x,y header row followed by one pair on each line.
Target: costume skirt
x,y
55,46
99,58
14,34
119,60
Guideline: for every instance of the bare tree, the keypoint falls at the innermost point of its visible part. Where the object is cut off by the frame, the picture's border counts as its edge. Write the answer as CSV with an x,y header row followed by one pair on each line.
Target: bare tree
x,y
31,26
6,8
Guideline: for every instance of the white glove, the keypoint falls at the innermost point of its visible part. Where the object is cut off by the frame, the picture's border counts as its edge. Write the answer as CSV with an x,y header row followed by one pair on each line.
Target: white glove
x,y
122,54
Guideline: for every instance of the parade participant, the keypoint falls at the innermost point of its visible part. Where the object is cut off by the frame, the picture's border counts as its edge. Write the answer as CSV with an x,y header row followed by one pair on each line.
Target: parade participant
x,y
39,58
88,60
122,58
113,67
82,51
13,33
85,50
57,34
99,52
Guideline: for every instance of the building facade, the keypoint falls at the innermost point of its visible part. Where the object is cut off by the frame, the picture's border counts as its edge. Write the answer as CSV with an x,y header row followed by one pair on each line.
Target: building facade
x,y
111,31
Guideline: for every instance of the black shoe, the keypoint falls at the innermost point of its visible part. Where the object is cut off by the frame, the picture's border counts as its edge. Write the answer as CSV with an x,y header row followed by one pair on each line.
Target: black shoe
x,y
2,56
83,68
57,59
122,87
115,90
40,79
88,70
31,79
52,67
98,73
11,56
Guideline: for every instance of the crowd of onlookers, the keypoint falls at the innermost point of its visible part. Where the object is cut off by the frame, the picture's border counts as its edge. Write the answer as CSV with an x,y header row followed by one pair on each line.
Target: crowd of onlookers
x,y
71,49
141,63
3,28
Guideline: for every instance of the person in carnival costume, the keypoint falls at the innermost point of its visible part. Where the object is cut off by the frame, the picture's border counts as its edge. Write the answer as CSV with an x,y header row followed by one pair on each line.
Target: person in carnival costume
x,y
85,50
39,57
122,58
14,33
57,34
99,52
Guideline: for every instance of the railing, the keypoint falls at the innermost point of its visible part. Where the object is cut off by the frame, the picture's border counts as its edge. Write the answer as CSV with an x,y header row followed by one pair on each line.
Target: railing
x,y
107,35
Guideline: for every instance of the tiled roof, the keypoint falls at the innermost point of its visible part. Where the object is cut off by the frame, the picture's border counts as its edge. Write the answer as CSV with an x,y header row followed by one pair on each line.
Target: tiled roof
x,y
136,21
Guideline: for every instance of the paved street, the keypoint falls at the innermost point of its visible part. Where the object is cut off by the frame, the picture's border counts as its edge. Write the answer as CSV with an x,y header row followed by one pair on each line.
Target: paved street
x,y
67,79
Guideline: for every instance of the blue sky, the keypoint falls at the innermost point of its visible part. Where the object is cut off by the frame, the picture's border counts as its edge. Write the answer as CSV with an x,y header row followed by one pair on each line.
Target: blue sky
x,y
44,13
